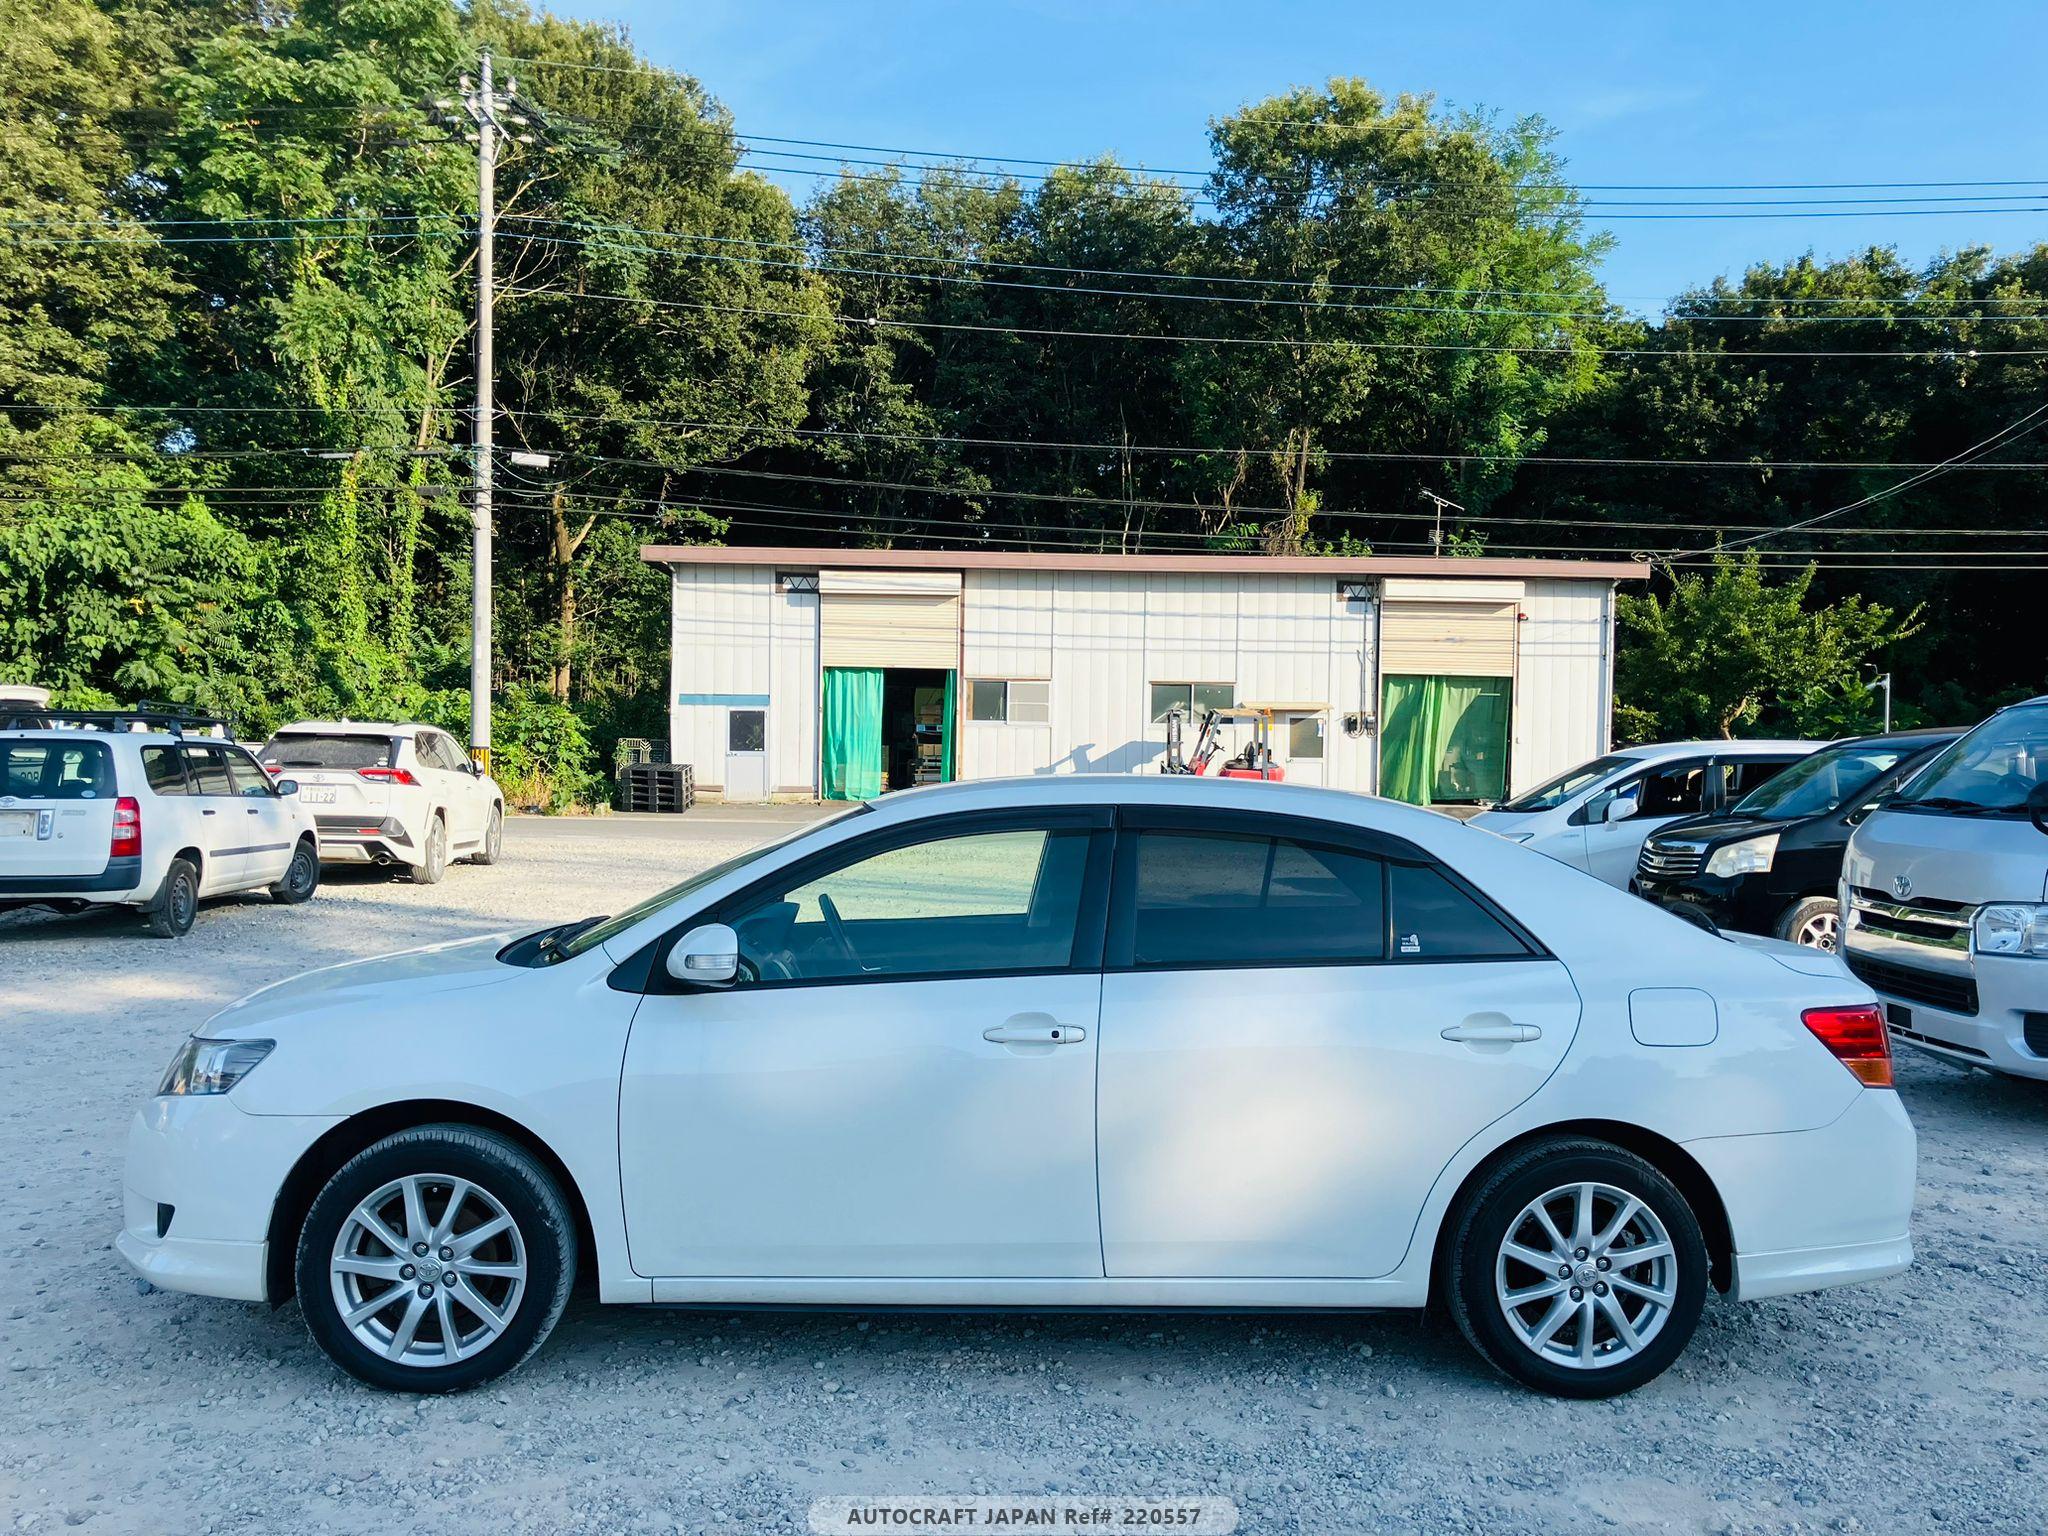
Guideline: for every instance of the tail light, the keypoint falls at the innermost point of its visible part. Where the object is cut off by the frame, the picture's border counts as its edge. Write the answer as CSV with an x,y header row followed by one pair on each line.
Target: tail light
x,y
387,775
273,768
1858,1038
127,843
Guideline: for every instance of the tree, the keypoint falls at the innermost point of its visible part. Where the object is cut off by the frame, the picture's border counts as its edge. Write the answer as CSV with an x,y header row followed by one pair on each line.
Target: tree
x,y
1730,649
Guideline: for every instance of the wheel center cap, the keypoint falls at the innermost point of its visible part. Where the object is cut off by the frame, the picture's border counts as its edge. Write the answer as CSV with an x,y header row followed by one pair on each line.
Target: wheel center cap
x,y
1586,1274
429,1268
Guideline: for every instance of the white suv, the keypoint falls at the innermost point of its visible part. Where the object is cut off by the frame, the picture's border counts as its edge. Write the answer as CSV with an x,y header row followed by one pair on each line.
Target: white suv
x,y
391,794
146,818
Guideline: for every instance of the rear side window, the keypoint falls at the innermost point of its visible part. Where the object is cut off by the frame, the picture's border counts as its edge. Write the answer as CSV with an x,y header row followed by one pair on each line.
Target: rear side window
x,y
57,770
209,773
1435,919
336,750
164,771
1220,899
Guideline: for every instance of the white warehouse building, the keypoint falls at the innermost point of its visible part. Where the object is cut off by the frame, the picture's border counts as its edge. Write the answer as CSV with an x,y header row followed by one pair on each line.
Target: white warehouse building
x,y
837,674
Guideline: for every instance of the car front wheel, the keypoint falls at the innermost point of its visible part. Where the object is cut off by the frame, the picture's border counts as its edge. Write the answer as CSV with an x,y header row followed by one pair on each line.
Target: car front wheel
x,y
1577,1269
1815,922
436,1260
494,838
433,862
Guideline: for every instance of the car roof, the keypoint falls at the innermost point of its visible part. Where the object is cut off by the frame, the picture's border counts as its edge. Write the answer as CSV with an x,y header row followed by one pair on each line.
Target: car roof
x,y
1919,735
350,728
1657,751
72,733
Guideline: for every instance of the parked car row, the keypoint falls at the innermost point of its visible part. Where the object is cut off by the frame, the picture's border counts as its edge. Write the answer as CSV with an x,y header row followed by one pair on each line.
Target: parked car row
x,y
154,810
1921,856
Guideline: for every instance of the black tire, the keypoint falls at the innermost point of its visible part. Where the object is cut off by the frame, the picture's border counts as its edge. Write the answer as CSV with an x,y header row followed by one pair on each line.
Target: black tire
x,y
172,911
494,838
1480,1229
1814,921
507,1174
301,876
433,862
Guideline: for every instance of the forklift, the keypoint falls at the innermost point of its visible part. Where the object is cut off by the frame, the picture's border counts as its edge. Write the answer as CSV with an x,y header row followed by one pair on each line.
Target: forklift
x,y
1255,761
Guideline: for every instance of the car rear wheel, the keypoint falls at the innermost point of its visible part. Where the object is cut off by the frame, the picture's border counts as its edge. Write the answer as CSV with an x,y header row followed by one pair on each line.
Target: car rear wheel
x,y
436,1260
494,838
1815,922
301,877
172,911
1577,1269
434,857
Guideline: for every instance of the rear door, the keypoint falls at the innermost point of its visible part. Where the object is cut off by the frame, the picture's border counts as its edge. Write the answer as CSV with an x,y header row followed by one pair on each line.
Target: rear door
x,y
221,821
56,807
1301,1024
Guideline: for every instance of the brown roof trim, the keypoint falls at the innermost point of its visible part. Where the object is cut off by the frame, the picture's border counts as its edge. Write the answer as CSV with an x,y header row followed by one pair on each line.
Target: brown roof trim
x,y
1178,565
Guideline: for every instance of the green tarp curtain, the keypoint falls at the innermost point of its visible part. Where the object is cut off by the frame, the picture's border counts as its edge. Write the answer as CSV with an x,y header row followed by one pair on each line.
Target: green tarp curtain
x,y
851,763
1444,738
946,728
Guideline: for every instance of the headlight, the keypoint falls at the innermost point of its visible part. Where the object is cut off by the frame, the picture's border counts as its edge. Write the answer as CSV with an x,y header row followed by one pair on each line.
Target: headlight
x,y
1751,856
212,1066
2009,928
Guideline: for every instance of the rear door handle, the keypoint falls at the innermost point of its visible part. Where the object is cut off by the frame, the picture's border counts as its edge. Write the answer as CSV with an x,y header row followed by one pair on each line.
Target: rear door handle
x,y
1495,1031
1019,1032
206,813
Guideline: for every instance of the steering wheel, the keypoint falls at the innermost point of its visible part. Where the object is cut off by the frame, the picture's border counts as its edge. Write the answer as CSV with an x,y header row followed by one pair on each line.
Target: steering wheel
x,y
836,926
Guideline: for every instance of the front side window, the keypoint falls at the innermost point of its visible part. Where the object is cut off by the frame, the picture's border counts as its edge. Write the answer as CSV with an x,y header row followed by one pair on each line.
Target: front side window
x,y
978,902
1990,772
1225,899
247,778
209,771
57,770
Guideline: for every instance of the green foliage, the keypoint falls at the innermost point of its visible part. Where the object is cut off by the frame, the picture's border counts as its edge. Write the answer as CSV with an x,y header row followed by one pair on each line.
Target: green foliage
x,y
542,754
1731,650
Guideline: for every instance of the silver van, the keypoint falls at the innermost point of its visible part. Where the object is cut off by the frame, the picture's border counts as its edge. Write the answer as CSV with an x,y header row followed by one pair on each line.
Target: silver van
x,y
1945,898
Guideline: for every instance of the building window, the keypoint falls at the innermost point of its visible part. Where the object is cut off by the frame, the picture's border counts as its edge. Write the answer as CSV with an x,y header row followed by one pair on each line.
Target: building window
x,y
1004,699
1305,736
1195,700
746,730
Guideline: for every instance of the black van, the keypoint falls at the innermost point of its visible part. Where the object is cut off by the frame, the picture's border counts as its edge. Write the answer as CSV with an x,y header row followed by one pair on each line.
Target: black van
x,y
1770,864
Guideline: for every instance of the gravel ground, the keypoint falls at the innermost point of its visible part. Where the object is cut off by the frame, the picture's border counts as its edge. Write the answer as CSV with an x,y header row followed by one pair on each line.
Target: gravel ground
x,y
1918,1404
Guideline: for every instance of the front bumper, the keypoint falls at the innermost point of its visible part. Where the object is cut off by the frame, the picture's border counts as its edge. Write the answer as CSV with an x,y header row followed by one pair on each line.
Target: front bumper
x,y
2007,1032
1811,1209
218,1170
1741,902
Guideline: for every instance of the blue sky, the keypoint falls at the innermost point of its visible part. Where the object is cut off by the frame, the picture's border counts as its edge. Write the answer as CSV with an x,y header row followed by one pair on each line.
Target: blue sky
x,y
1723,92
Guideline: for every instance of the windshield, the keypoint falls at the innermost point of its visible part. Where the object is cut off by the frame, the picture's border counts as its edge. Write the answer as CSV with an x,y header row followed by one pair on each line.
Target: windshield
x,y
1548,797
337,750
590,932
1820,783
1990,772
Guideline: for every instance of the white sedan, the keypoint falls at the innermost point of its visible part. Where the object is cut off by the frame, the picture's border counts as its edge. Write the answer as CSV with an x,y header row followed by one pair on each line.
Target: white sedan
x,y
1064,1042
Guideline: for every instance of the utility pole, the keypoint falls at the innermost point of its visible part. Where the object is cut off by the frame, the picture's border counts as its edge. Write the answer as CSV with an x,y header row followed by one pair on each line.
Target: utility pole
x,y
1436,534
482,100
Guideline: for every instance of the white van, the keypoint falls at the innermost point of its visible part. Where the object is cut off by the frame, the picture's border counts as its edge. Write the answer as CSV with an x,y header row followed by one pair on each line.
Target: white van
x,y
1945,899
1596,816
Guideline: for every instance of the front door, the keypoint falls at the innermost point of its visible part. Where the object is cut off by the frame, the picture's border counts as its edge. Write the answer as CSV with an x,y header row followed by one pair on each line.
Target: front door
x,y
902,1082
265,821
1298,1033
1661,796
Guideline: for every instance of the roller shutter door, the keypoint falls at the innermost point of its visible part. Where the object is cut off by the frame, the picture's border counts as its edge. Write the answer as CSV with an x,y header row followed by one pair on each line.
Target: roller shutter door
x,y
890,618
1447,639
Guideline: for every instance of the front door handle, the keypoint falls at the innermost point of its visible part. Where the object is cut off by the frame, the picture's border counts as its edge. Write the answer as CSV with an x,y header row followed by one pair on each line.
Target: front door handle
x,y
206,813
1492,1029
1033,1029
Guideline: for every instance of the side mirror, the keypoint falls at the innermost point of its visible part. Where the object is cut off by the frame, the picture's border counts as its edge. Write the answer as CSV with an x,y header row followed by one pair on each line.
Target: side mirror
x,y
287,786
707,956
1620,808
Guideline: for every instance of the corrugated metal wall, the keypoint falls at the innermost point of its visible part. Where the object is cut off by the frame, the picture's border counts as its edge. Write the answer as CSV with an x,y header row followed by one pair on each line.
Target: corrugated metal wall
x,y
1563,679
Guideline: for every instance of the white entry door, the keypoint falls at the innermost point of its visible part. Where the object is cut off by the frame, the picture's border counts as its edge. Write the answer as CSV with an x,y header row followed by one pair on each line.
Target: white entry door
x,y
901,1083
746,753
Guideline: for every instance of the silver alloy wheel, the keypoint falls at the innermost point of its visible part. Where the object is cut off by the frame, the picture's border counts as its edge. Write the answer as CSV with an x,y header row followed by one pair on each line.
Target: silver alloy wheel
x,y
1587,1276
428,1270
1823,930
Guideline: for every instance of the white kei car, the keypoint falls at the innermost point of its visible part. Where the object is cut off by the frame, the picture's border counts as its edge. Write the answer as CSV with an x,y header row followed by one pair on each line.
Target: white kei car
x,y
1089,1041
147,819
403,795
